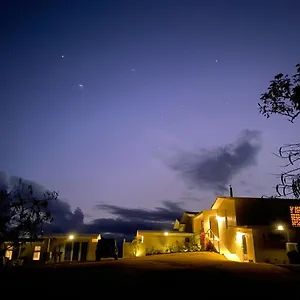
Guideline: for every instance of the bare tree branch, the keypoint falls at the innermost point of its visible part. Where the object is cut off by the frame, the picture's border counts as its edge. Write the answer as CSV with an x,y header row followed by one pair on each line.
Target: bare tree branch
x,y
283,98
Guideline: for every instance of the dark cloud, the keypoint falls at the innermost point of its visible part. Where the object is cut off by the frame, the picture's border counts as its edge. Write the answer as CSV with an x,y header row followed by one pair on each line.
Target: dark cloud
x,y
124,224
129,220
169,212
213,169
120,227
64,219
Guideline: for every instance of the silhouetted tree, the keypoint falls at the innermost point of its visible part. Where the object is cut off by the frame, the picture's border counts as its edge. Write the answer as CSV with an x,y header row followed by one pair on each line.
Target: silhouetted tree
x,y
283,98
22,214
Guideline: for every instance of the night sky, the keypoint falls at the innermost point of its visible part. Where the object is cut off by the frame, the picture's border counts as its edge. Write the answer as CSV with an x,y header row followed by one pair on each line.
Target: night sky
x,y
136,110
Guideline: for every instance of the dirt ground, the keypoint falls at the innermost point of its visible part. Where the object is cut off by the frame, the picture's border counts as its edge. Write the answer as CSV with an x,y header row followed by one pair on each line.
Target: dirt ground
x,y
168,274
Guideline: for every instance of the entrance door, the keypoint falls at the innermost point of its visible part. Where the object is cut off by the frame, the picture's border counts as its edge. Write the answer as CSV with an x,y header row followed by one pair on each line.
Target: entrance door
x,y
68,251
245,249
76,247
84,251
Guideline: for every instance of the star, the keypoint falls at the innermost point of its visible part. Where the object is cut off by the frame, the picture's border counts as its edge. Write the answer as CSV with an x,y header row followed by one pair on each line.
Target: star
x,y
62,56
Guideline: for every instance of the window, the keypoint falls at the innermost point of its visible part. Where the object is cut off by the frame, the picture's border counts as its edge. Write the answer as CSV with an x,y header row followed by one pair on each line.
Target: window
x,y
226,219
273,240
37,253
187,240
274,236
8,253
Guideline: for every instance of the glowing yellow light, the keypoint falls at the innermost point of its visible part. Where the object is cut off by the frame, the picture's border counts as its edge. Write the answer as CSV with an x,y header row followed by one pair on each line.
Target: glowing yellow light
x,y
280,227
166,233
93,240
219,219
71,237
231,256
239,236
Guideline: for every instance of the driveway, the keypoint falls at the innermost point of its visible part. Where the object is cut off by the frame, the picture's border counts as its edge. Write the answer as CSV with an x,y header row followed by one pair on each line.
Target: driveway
x,y
174,273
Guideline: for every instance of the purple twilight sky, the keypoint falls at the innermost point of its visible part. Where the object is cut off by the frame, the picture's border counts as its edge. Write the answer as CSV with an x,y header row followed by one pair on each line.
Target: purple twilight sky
x,y
136,109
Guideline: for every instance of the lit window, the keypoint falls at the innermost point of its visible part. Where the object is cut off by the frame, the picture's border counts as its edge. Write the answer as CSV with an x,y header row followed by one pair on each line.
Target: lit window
x,y
36,255
8,253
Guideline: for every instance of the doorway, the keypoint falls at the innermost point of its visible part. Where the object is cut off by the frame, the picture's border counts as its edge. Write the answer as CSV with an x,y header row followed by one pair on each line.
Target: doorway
x,y
76,247
84,251
68,251
244,247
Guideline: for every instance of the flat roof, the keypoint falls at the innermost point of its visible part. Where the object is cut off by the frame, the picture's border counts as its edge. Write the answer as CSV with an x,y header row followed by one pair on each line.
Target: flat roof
x,y
63,235
191,212
252,198
163,232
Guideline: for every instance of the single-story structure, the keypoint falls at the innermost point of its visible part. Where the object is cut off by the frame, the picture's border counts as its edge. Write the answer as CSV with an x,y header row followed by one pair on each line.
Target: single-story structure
x,y
149,242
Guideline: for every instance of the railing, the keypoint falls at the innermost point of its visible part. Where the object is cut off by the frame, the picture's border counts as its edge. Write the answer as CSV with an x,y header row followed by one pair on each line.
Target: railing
x,y
221,248
214,239
217,245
